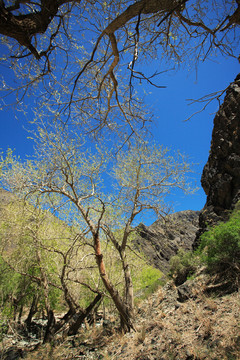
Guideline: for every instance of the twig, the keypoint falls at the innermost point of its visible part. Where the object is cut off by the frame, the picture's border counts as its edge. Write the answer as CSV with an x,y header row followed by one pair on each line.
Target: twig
x,y
212,96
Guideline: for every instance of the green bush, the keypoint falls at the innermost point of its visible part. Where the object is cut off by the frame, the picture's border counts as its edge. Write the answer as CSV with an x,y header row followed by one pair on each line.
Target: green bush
x,y
220,247
183,265
147,281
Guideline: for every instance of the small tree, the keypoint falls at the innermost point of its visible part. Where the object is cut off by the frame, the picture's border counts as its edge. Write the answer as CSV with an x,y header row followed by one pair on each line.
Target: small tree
x,y
66,174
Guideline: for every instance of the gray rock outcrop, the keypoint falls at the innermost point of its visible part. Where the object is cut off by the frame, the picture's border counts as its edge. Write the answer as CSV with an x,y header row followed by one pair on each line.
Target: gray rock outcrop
x,y
221,174
161,240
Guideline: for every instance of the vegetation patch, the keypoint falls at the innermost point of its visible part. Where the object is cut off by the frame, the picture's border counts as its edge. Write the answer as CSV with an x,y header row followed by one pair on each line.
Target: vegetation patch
x,y
220,251
183,265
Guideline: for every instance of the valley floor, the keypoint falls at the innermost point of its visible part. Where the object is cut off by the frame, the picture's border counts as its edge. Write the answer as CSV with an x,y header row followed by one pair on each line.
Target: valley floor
x,y
174,323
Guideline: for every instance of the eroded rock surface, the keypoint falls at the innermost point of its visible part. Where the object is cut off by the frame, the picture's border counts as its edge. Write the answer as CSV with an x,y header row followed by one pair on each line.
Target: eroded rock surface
x,y
221,175
161,240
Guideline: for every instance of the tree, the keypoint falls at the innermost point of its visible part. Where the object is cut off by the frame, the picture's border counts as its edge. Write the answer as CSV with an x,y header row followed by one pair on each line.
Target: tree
x,y
39,254
66,174
82,59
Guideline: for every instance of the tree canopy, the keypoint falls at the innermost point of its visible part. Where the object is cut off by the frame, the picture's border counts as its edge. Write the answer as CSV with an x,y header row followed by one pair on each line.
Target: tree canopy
x,y
83,60
69,179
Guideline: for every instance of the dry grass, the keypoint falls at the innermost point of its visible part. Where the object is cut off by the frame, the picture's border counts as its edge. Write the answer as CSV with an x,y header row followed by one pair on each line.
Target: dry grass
x,y
202,328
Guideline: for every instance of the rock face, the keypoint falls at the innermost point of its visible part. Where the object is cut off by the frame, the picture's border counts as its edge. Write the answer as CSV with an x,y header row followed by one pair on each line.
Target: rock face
x,y
221,175
161,240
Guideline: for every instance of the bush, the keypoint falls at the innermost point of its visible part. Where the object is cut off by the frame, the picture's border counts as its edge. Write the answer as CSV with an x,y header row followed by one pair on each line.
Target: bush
x,y
220,248
183,265
147,281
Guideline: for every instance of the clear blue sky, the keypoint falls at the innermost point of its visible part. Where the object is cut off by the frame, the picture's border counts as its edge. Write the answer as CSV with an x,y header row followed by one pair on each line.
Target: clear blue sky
x,y
192,137
170,109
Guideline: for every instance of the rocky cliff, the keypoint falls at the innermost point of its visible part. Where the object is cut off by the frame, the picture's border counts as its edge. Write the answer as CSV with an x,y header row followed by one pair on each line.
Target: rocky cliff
x,y
221,175
161,240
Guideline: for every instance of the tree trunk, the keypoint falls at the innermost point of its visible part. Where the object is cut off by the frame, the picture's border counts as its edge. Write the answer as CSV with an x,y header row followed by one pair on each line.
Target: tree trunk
x,y
64,320
20,313
50,327
129,297
32,311
76,325
125,315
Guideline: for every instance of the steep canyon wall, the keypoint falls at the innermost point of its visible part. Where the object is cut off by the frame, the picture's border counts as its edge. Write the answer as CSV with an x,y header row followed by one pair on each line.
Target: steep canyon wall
x,y
221,174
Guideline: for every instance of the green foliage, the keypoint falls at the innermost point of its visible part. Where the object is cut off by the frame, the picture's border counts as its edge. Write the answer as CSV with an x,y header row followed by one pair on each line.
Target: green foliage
x,y
28,237
69,183
220,246
147,281
16,290
8,280
183,265
149,276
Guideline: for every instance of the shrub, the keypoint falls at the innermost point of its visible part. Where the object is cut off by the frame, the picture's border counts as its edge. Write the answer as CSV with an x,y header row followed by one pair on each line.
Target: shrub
x,y
220,248
147,281
183,265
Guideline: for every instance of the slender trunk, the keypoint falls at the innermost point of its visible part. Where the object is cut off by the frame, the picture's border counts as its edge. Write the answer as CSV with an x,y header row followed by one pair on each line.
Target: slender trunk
x,y
129,296
50,326
32,311
15,307
20,314
73,306
45,285
125,315
119,303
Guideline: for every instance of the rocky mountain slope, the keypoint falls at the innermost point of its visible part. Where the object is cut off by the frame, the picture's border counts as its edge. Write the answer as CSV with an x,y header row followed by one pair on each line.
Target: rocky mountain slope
x,y
221,175
195,327
161,240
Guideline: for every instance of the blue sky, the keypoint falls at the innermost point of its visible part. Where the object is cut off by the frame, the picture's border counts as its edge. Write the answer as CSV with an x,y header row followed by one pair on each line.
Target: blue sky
x,y
192,137
170,109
